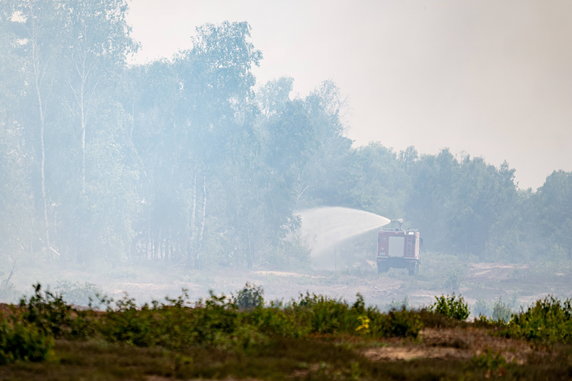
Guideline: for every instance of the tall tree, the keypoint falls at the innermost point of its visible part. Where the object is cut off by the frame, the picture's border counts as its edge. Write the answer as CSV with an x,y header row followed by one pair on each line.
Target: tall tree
x,y
36,40
552,221
97,42
17,222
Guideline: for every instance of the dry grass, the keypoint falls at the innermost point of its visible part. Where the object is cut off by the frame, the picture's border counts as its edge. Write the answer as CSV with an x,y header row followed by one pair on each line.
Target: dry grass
x,y
448,353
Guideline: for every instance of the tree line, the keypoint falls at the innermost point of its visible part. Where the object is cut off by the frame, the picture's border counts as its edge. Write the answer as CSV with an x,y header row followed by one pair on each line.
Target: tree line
x,y
184,160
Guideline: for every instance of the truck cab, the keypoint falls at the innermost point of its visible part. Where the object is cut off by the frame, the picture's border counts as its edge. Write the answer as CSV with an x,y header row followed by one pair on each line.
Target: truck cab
x,y
398,248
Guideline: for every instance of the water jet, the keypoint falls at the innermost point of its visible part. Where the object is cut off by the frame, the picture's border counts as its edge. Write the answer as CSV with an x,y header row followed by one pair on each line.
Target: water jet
x,y
331,234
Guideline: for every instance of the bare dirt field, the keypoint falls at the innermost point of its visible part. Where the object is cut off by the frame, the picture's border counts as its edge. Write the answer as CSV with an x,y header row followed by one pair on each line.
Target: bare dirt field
x,y
515,284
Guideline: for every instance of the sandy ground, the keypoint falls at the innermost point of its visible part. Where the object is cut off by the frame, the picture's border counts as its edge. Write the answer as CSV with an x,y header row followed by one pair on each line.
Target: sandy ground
x,y
443,343
519,284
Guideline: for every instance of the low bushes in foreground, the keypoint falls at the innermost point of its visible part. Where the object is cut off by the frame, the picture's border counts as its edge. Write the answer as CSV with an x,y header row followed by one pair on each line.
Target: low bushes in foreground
x,y
548,319
452,306
22,341
236,323
244,323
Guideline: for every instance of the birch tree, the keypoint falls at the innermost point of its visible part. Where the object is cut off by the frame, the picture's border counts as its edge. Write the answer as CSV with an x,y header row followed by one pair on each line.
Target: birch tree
x,y
97,43
37,41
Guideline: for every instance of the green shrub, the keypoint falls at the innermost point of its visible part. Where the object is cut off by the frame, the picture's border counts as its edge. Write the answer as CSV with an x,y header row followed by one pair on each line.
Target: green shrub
x,y
432,319
211,319
359,304
395,323
335,316
22,341
492,362
276,322
250,296
325,315
126,323
172,325
49,312
243,339
484,322
452,306
549,320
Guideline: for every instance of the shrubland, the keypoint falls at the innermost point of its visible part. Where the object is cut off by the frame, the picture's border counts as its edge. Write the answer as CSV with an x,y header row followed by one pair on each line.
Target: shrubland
x,y
309,337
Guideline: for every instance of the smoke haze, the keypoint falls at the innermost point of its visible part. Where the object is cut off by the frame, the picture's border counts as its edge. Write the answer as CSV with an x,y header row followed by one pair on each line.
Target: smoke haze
x,y
248,155
490,78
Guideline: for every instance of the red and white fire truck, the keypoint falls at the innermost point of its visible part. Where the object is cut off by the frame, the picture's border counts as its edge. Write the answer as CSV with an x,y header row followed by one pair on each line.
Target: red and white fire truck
x,y
398,248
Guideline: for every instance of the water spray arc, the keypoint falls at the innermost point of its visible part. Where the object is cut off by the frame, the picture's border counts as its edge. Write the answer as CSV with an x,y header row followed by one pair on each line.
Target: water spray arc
x,y
324,228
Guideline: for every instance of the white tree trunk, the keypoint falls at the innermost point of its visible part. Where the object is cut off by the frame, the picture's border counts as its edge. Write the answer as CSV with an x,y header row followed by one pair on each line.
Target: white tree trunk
x,y
37,78
193,223
203,218
83,132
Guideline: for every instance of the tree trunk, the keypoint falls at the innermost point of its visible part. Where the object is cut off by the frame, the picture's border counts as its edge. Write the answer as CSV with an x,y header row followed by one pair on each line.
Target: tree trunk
x,y
83,132
192,227
203,219
249,253
80,97
41,112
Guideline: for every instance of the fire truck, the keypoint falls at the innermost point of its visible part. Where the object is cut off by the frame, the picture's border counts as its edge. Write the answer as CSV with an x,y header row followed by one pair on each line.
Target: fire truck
x,y
398,248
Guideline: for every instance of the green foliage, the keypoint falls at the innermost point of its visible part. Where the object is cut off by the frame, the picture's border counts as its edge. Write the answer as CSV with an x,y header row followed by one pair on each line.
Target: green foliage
x,y
451,306
249,297
396,323
52,315
550,216
192,334
218,316
47,311
548,320
174,324
244,338
126,323
23,341
482,321
326,315
432,319
359,304
489,360
276,321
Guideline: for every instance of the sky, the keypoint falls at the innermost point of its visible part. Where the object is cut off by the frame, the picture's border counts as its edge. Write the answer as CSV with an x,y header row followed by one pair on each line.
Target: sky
x,y
489,78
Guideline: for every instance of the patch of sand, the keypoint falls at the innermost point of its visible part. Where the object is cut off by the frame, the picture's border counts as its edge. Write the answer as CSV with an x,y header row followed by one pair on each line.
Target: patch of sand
x,y
410,353
288,274
443,343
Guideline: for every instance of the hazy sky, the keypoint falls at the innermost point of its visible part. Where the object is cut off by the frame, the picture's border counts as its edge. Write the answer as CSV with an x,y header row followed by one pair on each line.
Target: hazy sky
x,y
490,78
